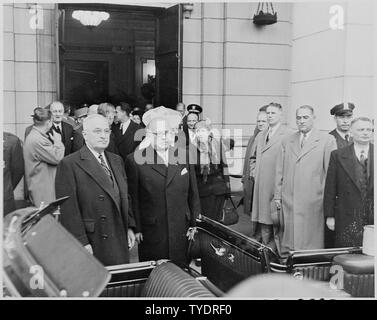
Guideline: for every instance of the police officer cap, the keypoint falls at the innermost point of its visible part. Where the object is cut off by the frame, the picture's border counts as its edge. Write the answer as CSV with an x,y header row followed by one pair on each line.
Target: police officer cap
x,y
82,112
343,109
194,108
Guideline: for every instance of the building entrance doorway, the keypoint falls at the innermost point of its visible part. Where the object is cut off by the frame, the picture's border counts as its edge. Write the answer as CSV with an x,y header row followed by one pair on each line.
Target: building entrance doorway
x,y
134,56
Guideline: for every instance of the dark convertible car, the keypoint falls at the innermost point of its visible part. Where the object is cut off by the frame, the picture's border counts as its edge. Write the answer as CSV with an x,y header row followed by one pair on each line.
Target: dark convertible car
x,y
41,259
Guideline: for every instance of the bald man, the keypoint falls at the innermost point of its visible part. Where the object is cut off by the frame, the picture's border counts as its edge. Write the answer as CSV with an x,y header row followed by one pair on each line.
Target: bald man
x,y
97,212
61,127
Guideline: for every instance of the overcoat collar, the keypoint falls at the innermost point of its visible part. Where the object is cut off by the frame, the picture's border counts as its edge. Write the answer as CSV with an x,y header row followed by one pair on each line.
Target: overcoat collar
x,y
347,159
275,138
159,166
92,167
309,145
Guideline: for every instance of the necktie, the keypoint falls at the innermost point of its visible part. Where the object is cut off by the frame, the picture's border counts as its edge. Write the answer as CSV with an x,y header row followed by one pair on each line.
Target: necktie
x,y
347,136
57,129
105,167
268,137
303,140
364,178
362,157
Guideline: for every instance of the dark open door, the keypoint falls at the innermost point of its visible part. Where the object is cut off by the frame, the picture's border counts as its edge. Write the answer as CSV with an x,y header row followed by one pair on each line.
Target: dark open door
x,y
168,57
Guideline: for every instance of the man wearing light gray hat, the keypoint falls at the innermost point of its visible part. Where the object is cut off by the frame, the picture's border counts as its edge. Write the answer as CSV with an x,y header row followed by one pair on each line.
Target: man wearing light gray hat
x,y
163,189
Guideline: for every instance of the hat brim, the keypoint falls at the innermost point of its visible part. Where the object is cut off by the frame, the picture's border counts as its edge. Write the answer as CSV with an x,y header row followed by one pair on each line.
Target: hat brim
x,y
344,113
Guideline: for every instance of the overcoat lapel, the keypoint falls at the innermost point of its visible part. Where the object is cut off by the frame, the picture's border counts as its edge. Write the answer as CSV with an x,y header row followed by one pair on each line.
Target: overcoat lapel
x,y
294,144
371,167
273,139
173,167
347,161
310,144
158,163
91,166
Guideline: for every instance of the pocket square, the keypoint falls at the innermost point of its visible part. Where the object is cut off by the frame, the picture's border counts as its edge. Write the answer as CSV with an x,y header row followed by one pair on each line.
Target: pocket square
x,y
184,171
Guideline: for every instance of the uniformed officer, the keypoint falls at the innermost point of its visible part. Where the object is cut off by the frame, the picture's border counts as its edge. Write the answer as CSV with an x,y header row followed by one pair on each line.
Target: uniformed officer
x,y
194,108
343,114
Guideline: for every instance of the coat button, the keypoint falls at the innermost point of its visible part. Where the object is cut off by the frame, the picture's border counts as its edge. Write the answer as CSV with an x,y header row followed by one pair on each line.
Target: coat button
x,y
101,197
105,236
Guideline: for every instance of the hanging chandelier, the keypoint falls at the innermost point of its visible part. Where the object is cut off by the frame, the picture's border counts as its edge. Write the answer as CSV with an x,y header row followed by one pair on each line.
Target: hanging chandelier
x,y
90,19
264,14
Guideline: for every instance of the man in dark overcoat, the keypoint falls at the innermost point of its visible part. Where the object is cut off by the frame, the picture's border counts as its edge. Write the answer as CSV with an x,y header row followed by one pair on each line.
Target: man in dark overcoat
x,y
61,127
129,134
163,190
348,200
13,169
343,114
97,212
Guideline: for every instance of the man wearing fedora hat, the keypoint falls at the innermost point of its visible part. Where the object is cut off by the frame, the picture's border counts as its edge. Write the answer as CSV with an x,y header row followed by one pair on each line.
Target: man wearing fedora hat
x,y
163,189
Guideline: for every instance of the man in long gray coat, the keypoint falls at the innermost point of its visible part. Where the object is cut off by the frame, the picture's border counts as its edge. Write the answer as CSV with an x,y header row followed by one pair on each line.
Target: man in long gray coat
x,y
41,158
267,149
249,161
300,181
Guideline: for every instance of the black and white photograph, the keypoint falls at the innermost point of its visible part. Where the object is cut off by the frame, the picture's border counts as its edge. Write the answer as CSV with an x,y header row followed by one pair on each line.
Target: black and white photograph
x,y
203,151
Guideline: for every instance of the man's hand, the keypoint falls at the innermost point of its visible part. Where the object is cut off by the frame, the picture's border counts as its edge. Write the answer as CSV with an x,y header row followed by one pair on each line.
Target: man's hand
x,y
191,233
139,237
278,204
56,137
131,238
89,248
330,222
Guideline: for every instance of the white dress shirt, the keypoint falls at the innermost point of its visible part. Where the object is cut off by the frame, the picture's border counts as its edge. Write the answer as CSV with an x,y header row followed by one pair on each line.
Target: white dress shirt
x,y
342,134
306,136
164,155
96,155
58,125
272,130
359,149
125,125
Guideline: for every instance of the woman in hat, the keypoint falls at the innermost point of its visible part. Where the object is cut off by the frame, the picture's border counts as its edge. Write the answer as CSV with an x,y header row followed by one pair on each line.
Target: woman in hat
x,y
213,185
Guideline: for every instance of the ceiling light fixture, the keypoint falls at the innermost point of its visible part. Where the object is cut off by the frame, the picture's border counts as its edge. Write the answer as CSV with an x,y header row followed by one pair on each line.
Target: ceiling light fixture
x,y
90,19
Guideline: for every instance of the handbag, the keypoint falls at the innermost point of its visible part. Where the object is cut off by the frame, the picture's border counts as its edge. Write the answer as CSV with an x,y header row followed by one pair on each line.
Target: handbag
x,y
229,213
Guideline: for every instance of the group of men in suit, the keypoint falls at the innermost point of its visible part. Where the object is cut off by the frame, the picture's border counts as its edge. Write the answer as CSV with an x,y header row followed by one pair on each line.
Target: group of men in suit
x,y
309,184
101,212
153,205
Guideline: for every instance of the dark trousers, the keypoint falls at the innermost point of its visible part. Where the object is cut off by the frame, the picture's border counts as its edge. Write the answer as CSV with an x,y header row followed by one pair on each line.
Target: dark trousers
x,y
212,206
329,238
8,206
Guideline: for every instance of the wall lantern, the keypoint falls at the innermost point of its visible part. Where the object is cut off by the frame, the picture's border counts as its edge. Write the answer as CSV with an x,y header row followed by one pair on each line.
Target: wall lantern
x,y
264,15
187,9
90,19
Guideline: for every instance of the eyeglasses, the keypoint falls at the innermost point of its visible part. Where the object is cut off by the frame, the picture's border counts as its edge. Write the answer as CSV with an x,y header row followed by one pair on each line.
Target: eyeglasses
x,y
99,131
162,134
